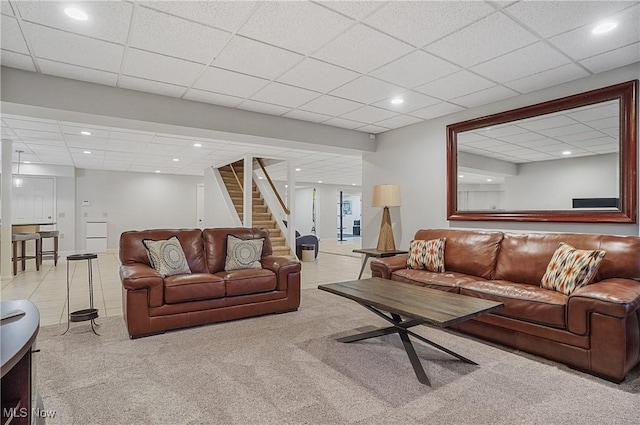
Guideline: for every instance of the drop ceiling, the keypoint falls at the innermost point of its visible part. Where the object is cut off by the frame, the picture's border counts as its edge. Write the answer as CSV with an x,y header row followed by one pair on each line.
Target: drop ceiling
x,y
338,63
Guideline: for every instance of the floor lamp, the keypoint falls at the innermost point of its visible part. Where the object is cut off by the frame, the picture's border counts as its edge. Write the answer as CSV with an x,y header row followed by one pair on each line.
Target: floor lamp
x,y
386,195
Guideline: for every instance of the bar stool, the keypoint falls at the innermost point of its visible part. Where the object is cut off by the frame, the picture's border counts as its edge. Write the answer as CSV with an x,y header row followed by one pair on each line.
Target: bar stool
x,y
46,234
22,238
90,313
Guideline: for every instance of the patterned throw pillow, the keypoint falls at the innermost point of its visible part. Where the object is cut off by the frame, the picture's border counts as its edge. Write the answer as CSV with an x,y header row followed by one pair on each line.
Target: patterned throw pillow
x,y
167,257
427,255
571,268
243,254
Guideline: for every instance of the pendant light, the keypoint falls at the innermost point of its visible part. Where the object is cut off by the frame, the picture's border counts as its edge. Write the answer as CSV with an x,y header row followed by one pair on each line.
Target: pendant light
x,y
17,181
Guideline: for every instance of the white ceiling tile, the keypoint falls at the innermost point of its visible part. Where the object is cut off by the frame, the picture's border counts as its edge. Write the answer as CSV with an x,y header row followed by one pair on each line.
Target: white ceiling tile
x,y
107,20
362,49
159,148
373,129
569,129
547,122
581,43
168,139
74,49
549,18
169,35
213,98
299,26
367,90
77,72
421,22
341,122
50,146
415,69
229,82
353,9
148,86
306,116
11,36
227,15
81,141
265,108
368,114
254,58
16,60
480,41
438,110
330,105
160,68
613,58
284,95
136,136
316,75
128,146
26,135
5,8
483,97
547,78
523,62
399,121
455,85
411,102
17,124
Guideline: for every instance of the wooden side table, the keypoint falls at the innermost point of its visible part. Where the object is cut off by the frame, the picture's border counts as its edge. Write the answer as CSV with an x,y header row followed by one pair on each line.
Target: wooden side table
x,y
372,252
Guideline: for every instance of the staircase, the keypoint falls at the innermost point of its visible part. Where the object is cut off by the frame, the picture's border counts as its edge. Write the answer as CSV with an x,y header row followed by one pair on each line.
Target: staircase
x,y
260,215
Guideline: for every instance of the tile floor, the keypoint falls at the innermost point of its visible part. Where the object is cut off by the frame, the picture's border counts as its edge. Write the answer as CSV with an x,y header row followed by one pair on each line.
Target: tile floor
x,y
47,288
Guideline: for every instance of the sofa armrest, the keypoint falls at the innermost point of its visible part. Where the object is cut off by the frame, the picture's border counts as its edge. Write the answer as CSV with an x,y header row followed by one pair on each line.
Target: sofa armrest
x,y
383,267
138,276
285,269
614,297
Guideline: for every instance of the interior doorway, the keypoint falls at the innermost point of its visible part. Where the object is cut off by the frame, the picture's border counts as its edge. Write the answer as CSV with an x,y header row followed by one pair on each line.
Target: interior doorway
x,y
349,214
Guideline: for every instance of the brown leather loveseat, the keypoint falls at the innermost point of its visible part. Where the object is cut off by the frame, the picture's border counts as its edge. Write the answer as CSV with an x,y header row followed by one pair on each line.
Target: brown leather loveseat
x,y
153,304
594,329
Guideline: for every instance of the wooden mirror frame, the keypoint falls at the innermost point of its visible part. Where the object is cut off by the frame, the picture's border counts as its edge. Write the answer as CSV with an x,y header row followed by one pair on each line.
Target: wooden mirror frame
x,y
626,93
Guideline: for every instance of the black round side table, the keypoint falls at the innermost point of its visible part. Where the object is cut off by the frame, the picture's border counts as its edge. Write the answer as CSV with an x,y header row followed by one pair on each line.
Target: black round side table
x,y
90,313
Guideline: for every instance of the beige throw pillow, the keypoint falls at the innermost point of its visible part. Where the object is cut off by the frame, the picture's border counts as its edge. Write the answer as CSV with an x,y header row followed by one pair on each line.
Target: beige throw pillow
x,y
243,254
167,256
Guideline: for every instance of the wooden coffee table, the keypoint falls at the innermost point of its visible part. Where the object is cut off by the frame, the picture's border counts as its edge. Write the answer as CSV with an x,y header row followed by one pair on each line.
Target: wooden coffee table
x,y
419,305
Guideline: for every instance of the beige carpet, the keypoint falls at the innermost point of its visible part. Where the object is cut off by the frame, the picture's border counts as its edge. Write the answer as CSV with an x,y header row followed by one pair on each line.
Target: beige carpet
x,y
288,369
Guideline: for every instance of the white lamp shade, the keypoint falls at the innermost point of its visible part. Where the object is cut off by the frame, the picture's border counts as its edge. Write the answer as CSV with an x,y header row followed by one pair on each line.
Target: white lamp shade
x,y
386,195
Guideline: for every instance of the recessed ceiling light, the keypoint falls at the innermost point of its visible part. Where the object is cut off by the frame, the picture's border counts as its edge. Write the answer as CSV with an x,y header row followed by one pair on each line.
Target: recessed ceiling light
x,y
353,184
87,152
566,153
461,176
85,133
176,159
604,27
397,101
26,162
157,171
197,145
489,180
319,181
297,169
76,14
260,178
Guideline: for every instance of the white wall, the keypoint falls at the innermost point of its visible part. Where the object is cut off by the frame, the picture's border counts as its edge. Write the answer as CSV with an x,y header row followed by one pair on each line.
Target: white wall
x,y
304,210
134,201
414,157
549,185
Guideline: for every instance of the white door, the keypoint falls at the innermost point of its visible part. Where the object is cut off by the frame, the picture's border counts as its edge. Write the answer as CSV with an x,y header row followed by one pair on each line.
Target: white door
x,y
200,205
34,201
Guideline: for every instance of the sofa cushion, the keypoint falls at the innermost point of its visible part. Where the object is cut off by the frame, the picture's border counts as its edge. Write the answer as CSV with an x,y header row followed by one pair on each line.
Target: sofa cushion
x,y
570,268
243,254
248,281
521,301
427,254
215,244
193,287
449,281
167,256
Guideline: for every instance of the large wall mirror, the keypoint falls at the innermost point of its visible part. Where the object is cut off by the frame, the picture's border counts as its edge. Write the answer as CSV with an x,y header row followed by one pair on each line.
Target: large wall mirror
x,y
572,159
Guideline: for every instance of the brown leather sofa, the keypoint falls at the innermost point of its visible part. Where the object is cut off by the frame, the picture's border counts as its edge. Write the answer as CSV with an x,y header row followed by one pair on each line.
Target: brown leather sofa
x,y
595,329
153,304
